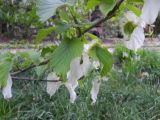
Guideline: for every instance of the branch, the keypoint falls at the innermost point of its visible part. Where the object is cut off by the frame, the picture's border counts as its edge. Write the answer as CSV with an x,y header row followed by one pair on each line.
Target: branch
x,y
33,79
30,67
107,17
39,80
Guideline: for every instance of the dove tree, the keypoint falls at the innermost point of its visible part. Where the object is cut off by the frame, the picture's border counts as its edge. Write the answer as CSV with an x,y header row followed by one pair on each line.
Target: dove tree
x,y
76,50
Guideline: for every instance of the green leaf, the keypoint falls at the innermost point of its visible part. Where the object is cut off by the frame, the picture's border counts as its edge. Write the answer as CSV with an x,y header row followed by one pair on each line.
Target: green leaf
x,y
135,9
92,3
104,56
48,50
93,37
30,55
64,54
128,28
107,5
59,28
135,1
5,66
47,8
43,33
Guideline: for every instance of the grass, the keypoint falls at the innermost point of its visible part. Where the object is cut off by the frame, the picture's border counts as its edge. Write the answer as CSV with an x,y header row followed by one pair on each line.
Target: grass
x,y
125,96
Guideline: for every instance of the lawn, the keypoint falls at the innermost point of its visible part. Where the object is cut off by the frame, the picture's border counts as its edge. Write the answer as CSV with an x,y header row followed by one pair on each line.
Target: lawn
x,y
131,93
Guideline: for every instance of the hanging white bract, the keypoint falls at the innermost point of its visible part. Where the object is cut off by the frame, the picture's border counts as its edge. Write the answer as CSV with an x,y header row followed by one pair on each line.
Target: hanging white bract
x,y
149,14
73,75
150,11
95,89
52,87
78,68
7,90
72,92
137,39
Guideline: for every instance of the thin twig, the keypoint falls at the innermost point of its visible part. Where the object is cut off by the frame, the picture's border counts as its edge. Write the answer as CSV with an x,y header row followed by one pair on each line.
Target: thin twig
x,y
30,67
108,16
33,79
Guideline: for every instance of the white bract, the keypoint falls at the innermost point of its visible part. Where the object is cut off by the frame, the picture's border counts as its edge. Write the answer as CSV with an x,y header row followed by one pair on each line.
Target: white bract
x,y
7,90
149,14
77,70
137,39
71,92
52,87
95,89
150,11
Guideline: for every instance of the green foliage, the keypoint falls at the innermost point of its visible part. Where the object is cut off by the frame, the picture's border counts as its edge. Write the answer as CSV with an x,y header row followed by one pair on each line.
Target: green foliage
x,y
69,25
120,98
104,56
6,62
92,3
134,8
128,28
43,33
31,55
47,8
149,63
46,51
20,16
65,53
107,5
59,28
143,66
135,1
